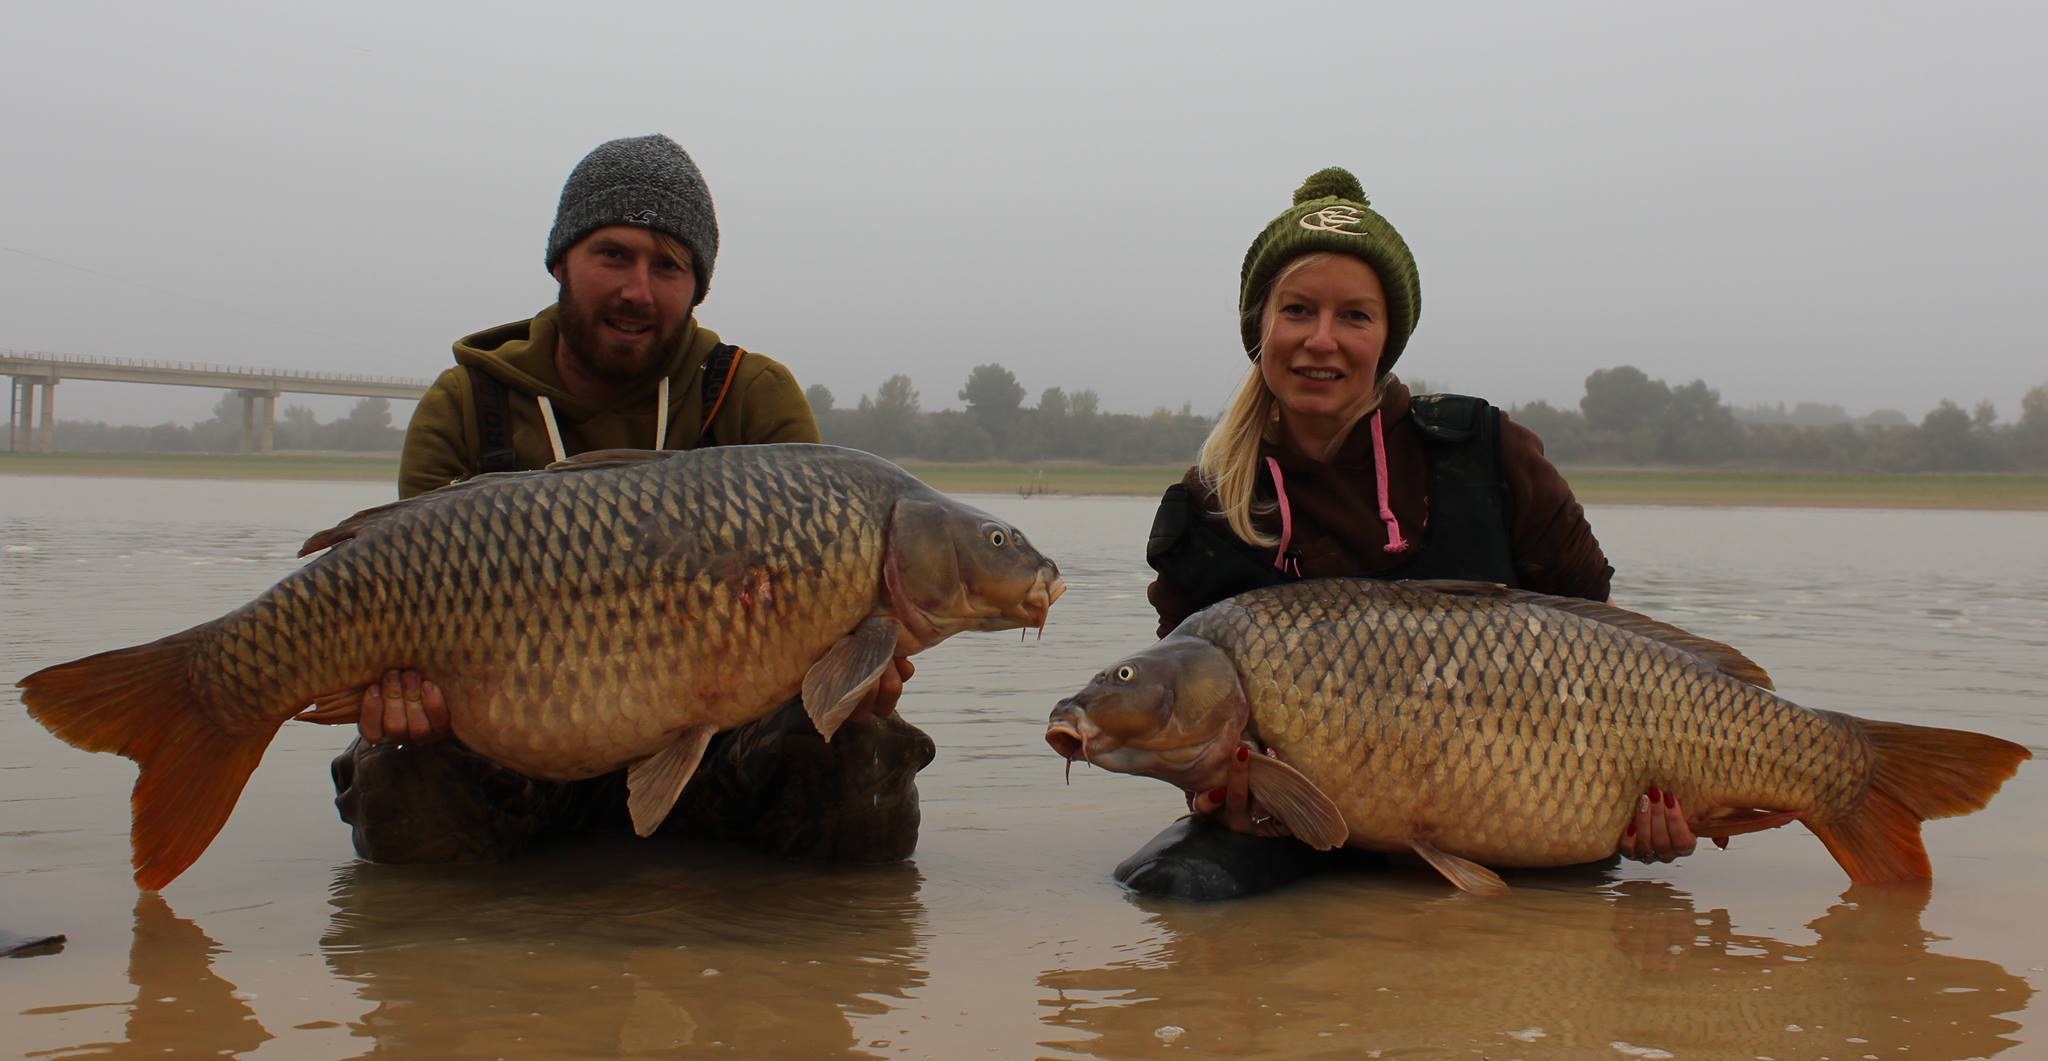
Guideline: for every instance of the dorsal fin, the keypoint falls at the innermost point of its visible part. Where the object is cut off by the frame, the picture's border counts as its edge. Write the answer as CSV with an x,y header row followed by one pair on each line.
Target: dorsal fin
x,y
598,458
349,527
581,462
1721,657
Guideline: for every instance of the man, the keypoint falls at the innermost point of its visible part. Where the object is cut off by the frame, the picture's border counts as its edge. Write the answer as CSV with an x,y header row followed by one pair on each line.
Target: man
x,y
619,361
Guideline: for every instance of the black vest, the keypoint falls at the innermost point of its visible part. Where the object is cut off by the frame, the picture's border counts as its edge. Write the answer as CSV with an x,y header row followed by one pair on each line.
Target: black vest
x,y
1467,536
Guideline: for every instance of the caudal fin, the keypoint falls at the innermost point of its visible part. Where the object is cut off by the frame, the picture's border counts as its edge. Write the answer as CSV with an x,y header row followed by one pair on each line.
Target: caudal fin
x,y
1921,773
138,702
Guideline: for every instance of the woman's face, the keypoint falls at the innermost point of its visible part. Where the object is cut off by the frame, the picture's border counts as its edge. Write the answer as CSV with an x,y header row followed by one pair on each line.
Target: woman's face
x,y
1321,359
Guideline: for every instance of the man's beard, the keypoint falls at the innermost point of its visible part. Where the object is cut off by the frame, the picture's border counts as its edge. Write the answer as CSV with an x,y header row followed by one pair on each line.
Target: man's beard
x,y
618,364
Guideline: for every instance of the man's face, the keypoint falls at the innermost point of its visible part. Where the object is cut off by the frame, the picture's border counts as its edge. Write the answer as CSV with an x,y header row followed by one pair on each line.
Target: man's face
x,y
624,301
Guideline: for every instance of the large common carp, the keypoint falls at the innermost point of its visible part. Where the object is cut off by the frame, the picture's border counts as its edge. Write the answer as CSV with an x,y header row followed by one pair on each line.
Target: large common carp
x,y
615,609
1474,724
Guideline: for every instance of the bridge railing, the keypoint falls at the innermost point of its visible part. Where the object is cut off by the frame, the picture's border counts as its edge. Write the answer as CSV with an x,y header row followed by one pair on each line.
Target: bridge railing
x,y
60,360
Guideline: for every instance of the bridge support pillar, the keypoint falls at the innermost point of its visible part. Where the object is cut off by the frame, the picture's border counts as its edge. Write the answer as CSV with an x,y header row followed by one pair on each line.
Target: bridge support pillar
x,y
24,435
49,424
22,417
257,434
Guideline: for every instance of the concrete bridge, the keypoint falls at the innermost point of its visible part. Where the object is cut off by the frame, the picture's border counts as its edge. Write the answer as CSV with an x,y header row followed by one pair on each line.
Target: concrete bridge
x,y
259,388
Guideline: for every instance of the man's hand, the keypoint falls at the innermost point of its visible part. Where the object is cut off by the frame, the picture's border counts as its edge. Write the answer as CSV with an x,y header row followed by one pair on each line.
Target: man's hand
x,y
404,709
1659,832
881,701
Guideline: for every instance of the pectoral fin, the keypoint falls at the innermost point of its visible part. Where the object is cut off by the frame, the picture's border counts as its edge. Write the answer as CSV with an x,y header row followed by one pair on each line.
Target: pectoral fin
x,y
1469,876
1306,811
848,670
654,783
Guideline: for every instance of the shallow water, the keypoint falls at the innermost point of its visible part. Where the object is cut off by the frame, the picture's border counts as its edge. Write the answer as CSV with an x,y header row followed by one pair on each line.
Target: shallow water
x,y
1005,936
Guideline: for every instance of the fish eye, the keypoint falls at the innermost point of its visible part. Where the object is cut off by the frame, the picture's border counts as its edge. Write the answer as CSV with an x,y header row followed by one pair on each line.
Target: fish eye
x,y
996,537
1126,673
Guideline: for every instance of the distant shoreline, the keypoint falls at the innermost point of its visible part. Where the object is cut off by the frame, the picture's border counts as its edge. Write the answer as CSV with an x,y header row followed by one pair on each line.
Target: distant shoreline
x,y
1716,487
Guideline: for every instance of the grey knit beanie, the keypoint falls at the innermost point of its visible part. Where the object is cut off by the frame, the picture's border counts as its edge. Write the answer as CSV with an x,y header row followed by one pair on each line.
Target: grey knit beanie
x,y
647,181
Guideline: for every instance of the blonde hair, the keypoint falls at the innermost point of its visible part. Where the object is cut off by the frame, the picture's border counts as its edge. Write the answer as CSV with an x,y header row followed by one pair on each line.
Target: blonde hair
x,y
1229,463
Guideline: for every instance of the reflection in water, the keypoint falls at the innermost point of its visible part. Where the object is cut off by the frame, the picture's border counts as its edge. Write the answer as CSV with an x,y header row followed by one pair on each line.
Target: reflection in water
x,y
610,947
625,948
182,1007
1533,971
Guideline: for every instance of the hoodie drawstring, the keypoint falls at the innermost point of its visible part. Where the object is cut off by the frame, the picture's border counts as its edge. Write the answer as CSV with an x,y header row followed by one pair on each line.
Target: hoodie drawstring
x,y
547,415
1395,542
1286,518
661,413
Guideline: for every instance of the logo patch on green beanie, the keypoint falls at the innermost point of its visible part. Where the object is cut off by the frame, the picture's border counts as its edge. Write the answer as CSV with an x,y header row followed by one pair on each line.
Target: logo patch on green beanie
x,y
1340,219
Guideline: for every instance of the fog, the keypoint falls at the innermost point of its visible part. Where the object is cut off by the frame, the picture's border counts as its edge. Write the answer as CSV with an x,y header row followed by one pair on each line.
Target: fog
x,y
1826,202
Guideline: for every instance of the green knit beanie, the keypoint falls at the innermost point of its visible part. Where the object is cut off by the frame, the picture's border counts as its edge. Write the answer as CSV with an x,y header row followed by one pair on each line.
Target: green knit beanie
x,y
1331,213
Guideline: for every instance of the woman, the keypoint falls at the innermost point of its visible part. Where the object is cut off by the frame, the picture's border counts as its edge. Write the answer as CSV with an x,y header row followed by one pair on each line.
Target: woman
x,y
1325,466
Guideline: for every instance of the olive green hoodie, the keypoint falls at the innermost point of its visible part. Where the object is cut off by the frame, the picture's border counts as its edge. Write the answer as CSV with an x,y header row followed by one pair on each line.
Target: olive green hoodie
x,y
762,404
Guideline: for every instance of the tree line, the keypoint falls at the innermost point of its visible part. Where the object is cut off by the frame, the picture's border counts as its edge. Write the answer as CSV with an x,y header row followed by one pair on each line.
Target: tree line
x,y
1626,417
996,424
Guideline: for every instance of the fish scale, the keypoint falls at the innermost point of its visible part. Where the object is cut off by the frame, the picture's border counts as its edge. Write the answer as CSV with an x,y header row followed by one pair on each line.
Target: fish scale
x,y
614,611
1411,694
1476,725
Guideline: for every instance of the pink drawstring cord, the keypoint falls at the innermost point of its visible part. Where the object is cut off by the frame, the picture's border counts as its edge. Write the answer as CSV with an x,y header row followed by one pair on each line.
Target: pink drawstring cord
x,y
1286,517
1395,543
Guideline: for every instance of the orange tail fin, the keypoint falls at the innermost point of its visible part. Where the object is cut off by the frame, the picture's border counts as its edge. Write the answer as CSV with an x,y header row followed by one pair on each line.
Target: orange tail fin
x,y
138,702
1921,773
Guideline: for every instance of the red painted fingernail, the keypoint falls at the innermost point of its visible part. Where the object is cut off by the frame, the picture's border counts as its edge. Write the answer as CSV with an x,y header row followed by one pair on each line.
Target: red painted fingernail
x,y
1655,795
1243,753
1216,795
1631,829
1670,800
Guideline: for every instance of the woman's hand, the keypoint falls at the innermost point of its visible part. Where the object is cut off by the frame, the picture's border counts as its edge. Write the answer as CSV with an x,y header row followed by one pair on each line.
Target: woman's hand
x,y
1659,832
403,709
1234,804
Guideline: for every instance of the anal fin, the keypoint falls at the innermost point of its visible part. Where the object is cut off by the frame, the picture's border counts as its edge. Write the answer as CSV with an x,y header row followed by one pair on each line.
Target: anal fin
x,y
835,684
1724,822
654,783
1307,811
1470,877
334,709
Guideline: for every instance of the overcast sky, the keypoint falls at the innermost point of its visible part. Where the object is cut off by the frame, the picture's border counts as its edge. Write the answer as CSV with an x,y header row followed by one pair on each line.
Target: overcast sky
x,y
1831,202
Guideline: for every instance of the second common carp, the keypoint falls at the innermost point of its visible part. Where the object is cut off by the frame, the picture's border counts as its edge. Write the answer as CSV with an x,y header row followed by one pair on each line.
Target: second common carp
x,y
1480,726
614,610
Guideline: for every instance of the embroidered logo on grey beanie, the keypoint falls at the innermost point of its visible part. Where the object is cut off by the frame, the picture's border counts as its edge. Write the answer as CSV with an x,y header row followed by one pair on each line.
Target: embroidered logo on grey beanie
x,y
647,181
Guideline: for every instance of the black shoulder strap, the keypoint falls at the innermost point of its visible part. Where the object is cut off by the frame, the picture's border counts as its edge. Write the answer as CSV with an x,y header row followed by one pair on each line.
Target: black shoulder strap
x,y
1450,417
493,407
718,375
1201,556
1468,535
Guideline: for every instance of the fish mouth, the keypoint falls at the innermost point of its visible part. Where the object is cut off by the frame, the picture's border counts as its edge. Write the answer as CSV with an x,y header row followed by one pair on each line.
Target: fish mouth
x,y
1067,741
1045,592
